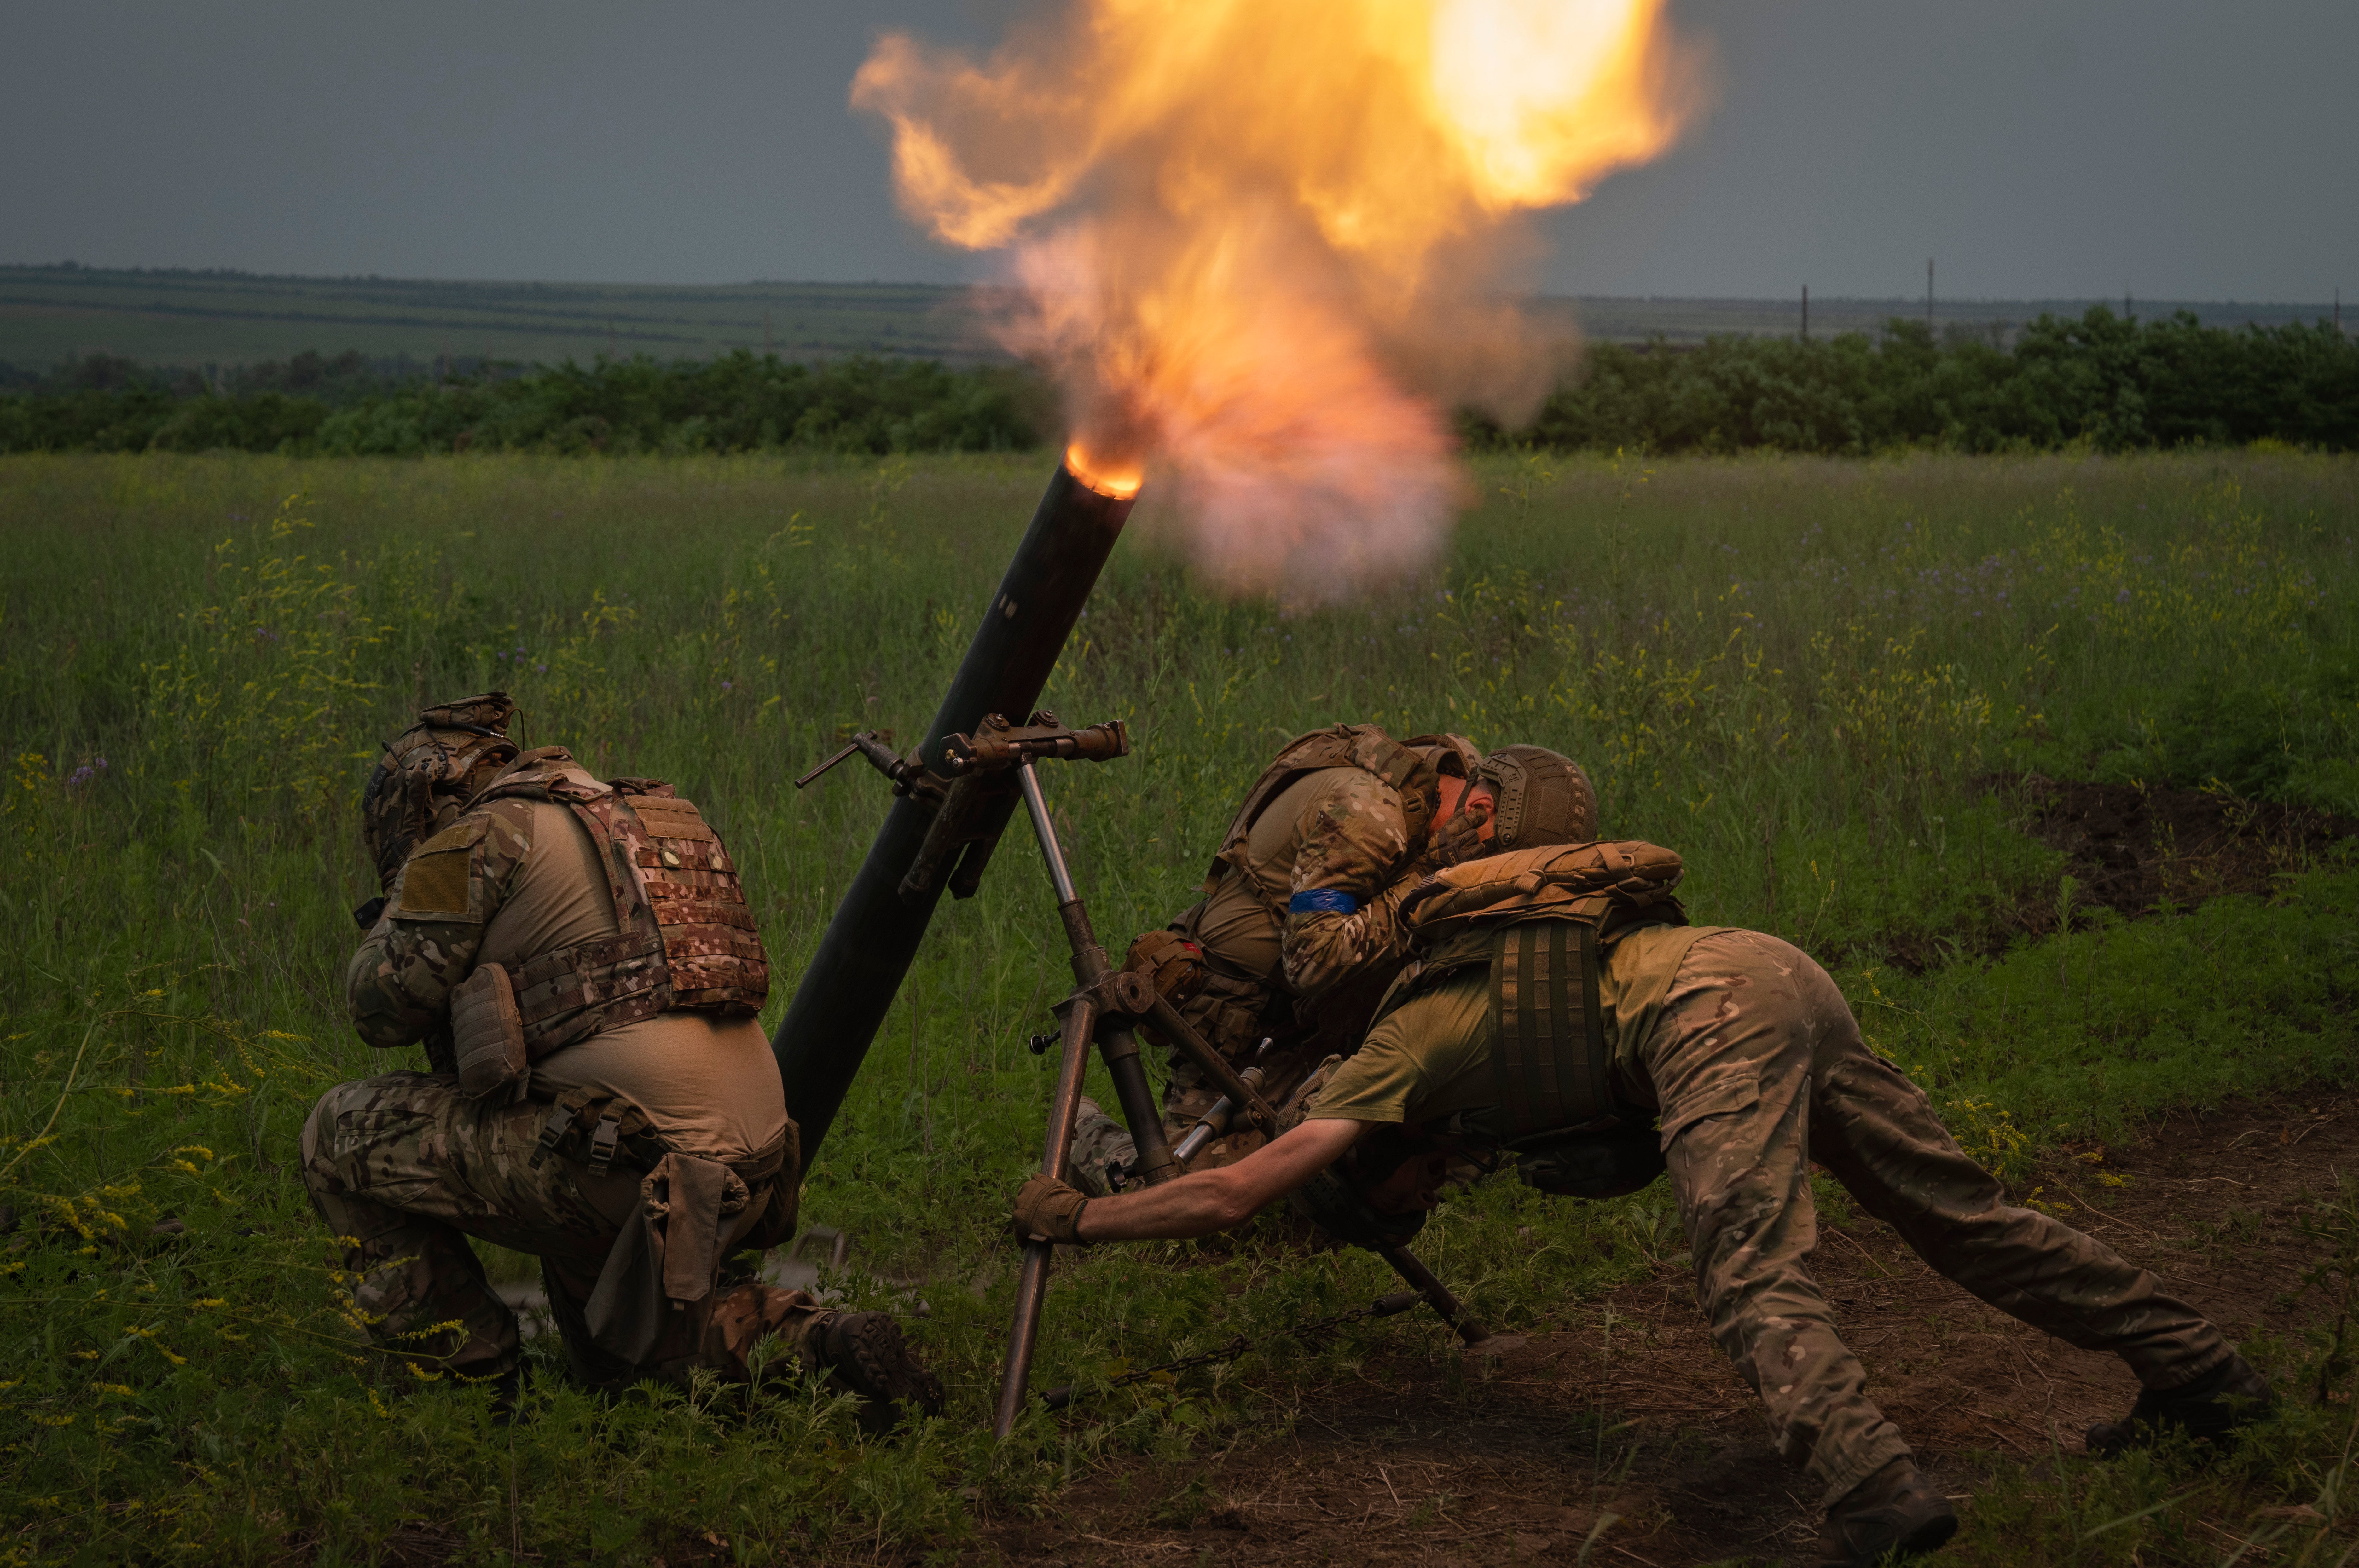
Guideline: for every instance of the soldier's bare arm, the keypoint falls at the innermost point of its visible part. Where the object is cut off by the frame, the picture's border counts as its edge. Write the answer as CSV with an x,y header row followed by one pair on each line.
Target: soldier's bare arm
x,y
398,985
1214,1200
1355,866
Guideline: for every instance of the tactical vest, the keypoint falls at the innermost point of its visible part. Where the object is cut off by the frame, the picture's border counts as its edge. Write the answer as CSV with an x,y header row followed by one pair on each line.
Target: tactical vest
x,y
1234,1008
686,938
1362,746
1546,912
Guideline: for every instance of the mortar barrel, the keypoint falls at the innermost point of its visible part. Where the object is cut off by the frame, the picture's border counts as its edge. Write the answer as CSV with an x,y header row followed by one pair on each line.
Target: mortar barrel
x,y
845,994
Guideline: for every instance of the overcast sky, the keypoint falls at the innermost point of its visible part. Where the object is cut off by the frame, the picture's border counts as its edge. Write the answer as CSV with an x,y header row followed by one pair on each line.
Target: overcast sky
x,y
2038,149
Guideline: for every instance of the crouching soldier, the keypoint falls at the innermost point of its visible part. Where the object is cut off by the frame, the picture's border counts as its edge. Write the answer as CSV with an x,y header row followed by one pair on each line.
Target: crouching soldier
x,y
579,960
1298,934
1560,1009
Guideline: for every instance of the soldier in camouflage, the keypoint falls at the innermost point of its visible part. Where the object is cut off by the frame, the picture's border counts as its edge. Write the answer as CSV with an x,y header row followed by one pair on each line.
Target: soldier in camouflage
x,y
1743,1064
581,963
1298,935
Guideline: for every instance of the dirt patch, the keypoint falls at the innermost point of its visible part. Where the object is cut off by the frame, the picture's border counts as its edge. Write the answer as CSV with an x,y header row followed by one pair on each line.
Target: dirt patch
x,y
2138,851
1429,1460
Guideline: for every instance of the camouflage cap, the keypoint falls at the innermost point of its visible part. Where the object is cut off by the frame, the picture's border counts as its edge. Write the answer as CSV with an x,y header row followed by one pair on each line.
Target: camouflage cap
x,y
429,772
1452,756
1544,798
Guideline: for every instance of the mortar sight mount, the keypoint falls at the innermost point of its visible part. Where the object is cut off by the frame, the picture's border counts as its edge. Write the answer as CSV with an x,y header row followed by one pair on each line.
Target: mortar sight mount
x,y
973,792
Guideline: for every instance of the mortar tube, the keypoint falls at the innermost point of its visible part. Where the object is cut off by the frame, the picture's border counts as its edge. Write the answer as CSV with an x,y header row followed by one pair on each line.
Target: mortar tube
x,y
849,985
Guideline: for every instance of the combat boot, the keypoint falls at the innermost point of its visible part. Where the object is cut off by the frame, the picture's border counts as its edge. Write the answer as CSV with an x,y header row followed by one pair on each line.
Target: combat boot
x,y
2228,1395
1893,1514
864,1354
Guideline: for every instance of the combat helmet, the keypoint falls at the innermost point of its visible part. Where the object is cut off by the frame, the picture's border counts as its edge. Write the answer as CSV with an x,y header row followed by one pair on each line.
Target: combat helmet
x,y
429,773
1543,798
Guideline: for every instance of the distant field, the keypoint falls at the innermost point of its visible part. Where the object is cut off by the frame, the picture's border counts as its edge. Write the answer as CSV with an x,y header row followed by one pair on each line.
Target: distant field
x,y
193,319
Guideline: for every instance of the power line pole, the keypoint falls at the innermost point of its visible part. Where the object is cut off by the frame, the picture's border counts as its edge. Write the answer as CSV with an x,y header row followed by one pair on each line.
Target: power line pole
x,y
1929,294
1806,312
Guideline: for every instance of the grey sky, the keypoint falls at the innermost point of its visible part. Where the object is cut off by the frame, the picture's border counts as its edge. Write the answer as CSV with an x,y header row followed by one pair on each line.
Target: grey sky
x,y
2037,147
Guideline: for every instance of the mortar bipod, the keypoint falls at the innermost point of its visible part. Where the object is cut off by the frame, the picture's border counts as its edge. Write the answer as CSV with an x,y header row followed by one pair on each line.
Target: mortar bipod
x,y
1088,1017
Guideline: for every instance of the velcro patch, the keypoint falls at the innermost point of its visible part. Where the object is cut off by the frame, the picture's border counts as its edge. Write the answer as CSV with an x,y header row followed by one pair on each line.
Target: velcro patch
x,y
460,835
435,886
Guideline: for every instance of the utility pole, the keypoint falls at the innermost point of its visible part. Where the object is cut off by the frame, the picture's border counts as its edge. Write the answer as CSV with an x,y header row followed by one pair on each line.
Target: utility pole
x,y
1929,294
2338,314
1806,312
766,349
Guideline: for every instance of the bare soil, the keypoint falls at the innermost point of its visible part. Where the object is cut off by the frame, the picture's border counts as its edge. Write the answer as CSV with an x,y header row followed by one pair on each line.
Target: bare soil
x,y
1425,1460
2138,851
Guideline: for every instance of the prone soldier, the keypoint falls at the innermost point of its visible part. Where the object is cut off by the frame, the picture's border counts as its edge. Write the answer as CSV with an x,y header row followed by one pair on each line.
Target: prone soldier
x,y
578,958
1560,1008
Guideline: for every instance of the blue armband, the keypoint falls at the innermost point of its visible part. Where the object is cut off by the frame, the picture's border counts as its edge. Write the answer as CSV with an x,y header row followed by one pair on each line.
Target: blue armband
x,y
1322,901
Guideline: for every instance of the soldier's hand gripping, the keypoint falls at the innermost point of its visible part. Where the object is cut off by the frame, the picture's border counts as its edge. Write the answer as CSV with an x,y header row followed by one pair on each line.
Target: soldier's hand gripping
x,y
1047,1209
1460,837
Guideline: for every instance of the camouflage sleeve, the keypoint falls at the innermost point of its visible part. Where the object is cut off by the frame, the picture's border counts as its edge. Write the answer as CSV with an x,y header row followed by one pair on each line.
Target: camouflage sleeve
x,y
398,986
1355,867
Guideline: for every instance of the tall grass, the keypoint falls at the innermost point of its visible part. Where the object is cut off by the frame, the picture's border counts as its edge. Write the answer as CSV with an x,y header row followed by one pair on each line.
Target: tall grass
x,y
1801,674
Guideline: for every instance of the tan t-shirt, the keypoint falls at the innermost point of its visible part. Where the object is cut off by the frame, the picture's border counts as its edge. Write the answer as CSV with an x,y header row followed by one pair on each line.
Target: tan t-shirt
x,y
708,1083
1430,1057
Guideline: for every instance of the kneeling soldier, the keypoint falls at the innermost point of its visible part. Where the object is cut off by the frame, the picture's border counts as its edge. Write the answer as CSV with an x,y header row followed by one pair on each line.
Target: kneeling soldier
x,y
579,961
1297,935
1562,1009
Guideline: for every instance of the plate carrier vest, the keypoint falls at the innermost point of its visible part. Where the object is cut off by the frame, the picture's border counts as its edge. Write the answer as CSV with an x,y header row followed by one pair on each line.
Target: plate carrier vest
x,y
1549,912
688,941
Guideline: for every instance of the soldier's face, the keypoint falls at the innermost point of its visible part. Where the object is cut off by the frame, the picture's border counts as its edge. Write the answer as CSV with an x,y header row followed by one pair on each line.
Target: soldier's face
x,y
1479,807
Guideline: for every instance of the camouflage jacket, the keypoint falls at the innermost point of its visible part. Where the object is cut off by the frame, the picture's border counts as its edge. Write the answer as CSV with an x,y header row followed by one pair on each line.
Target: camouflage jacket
x,y
1354,862
398,986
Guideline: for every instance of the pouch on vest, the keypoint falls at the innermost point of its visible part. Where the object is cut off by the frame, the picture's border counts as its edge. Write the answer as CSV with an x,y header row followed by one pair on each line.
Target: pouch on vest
x,y
487,1035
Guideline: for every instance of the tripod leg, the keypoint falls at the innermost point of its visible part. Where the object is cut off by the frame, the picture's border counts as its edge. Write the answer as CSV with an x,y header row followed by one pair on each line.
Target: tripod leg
x,y
1156,1161
1436,1295
1056,1160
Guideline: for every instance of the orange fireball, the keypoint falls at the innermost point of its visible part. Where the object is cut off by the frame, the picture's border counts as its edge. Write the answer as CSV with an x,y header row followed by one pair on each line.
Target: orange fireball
x,y
1261,244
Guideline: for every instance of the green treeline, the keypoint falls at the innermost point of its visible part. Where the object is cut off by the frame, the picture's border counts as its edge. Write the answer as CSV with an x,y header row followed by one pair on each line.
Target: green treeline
x,y
2114,382
737,403
2109,382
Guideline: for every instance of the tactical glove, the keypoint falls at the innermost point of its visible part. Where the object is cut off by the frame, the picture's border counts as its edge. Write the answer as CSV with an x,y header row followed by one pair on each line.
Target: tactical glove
x,y
1047,1208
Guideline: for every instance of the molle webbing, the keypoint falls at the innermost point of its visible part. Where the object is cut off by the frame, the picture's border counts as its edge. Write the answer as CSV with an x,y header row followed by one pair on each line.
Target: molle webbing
x,y
687,939
1553,1062
709,940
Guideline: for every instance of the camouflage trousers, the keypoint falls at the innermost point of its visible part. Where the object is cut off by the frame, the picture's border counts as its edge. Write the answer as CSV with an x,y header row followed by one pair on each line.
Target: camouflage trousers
x,y
405,1168
1759,1067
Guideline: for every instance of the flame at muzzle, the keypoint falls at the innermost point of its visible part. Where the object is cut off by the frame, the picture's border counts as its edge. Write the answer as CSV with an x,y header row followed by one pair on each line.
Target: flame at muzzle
x,y
1262,246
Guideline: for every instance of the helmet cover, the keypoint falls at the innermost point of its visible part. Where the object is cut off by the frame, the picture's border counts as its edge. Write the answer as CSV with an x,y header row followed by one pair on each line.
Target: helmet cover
x,y
428,774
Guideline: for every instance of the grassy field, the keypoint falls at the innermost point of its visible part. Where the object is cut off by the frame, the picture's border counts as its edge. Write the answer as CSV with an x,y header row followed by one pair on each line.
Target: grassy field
x,y
192,318
1811,678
